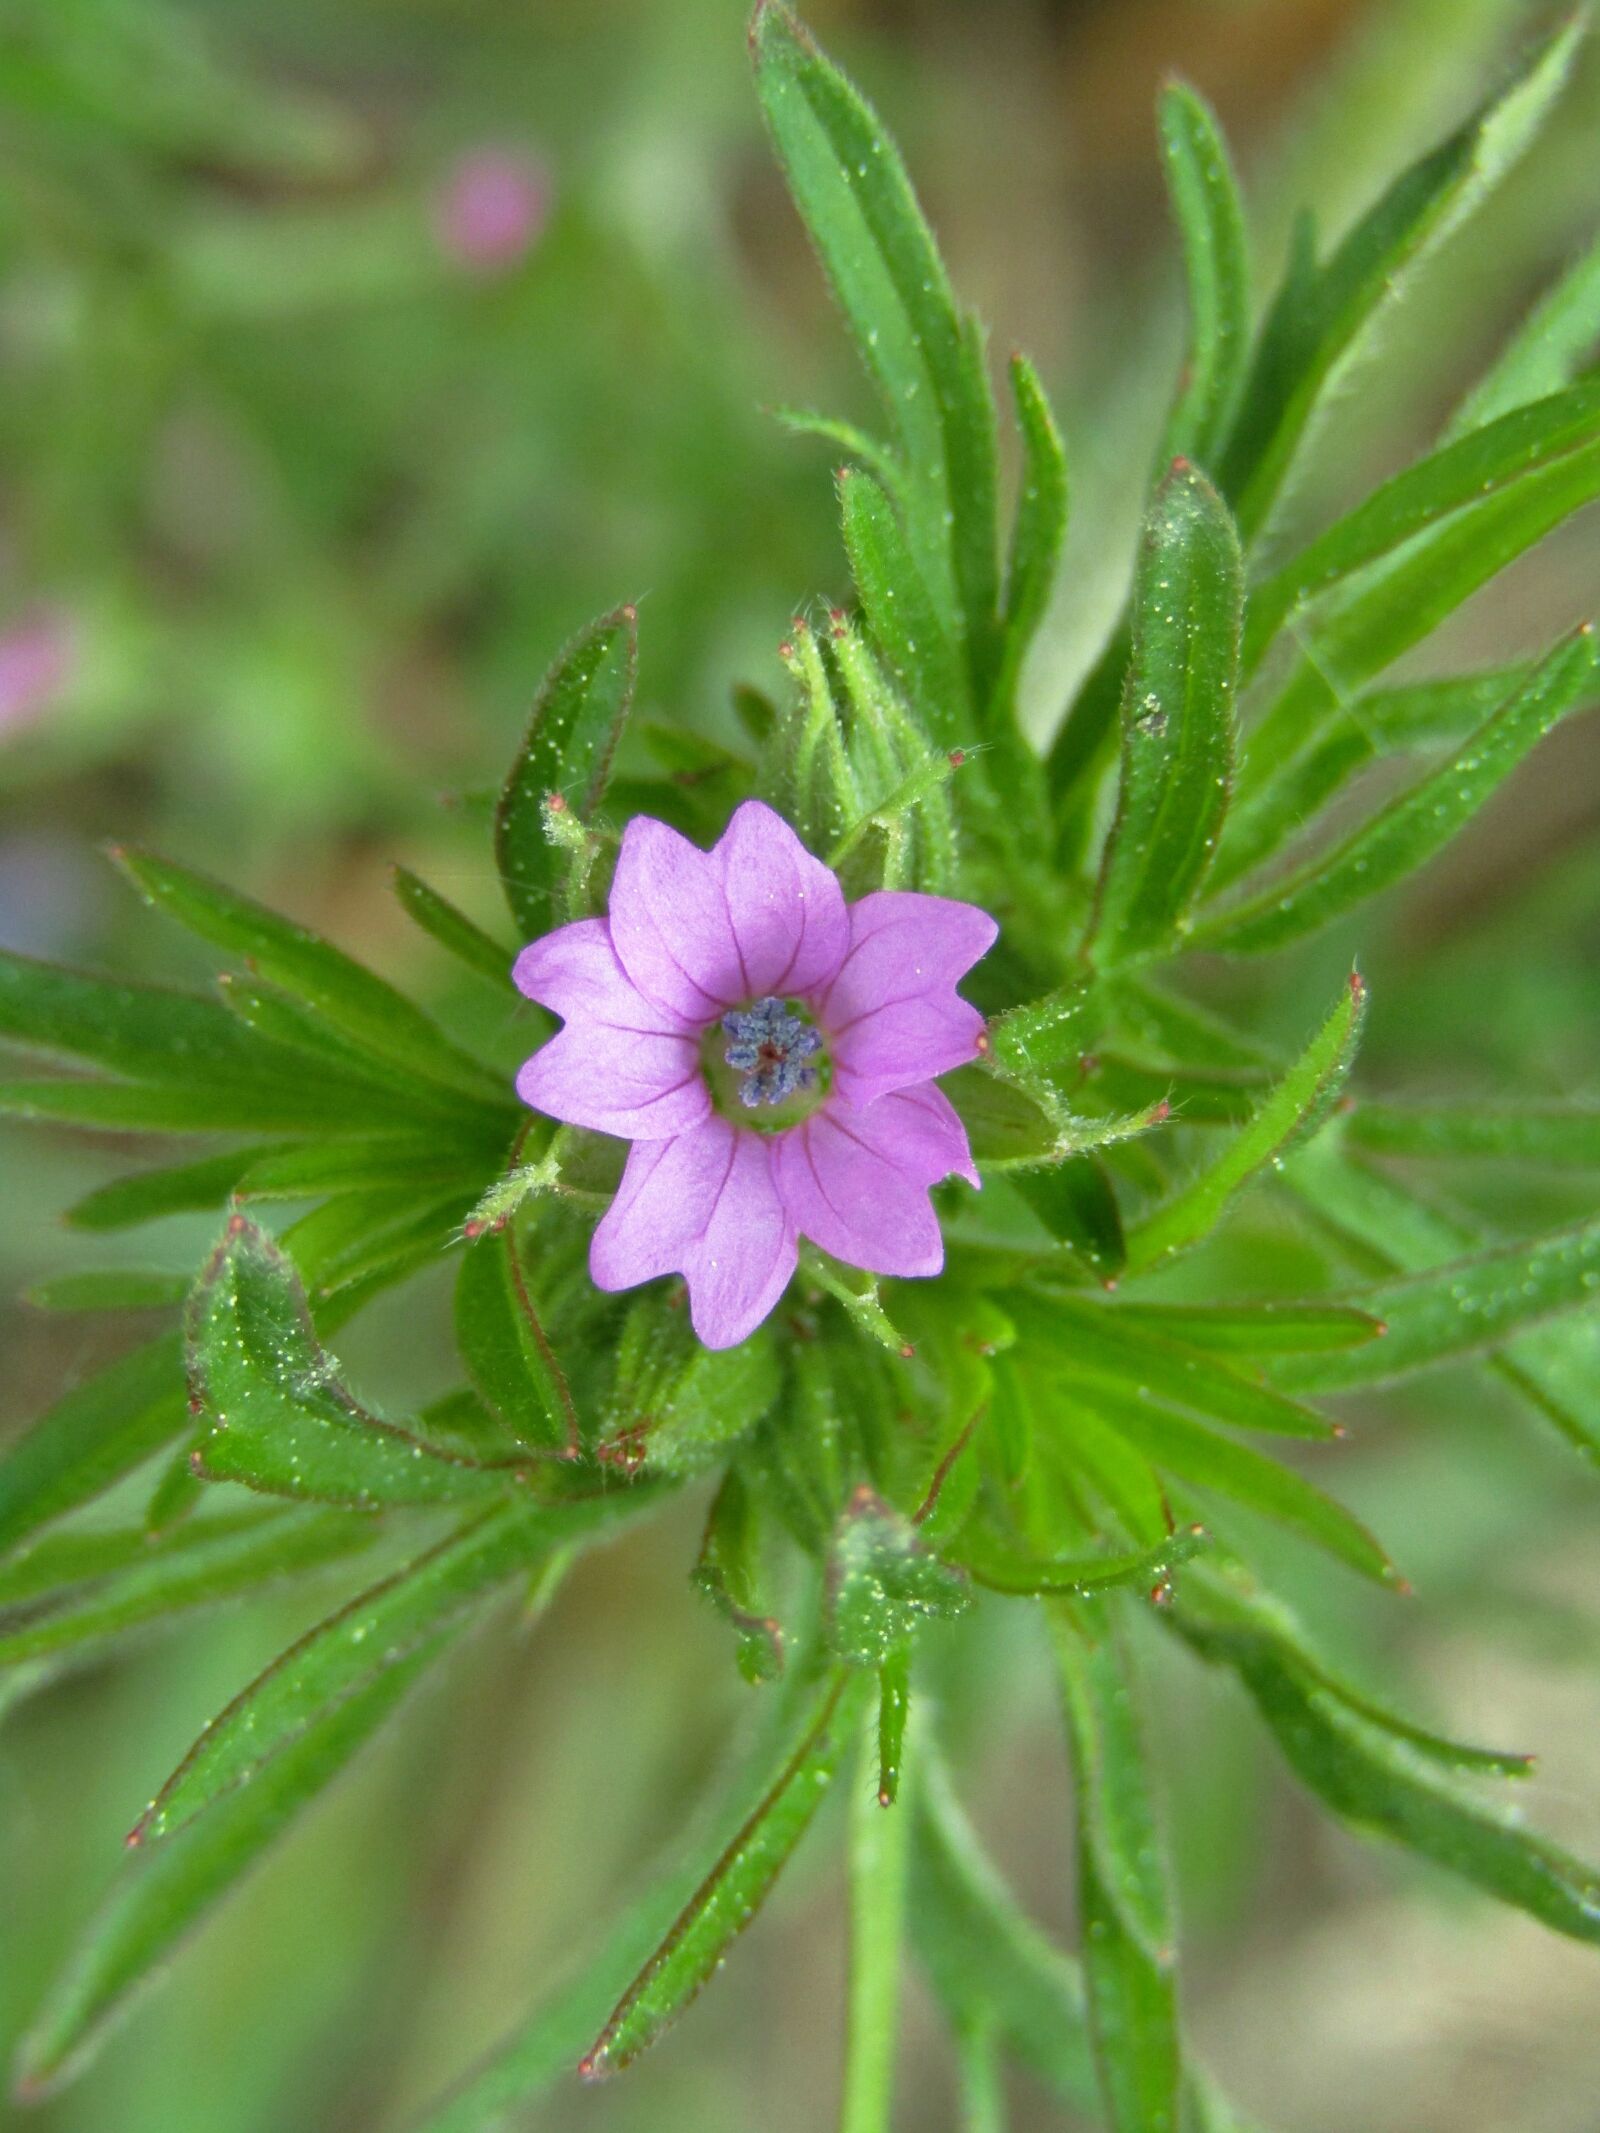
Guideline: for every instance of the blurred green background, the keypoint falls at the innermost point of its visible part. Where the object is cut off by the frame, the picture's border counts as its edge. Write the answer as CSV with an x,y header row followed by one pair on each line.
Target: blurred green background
x,y
352,353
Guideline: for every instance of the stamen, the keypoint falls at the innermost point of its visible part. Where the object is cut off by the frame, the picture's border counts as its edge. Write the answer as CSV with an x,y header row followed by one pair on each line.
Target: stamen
x,y
769,1049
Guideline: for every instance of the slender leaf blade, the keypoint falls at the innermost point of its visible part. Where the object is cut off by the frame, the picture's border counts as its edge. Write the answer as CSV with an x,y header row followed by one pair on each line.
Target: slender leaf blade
x,y
576,722
506,1350
1216,257
451,928
1038,532
1294,1109
357,1002
1417,823
167,1893
1123,1892
1325,315
1557,337
208,1570
1177,722
1564,1137
279,1419
1460,1309
734,1890
899,605
855,198
92,1437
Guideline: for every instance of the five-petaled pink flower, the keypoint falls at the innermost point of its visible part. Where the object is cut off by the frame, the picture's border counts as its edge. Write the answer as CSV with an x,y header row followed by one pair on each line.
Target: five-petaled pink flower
x,y
770,1052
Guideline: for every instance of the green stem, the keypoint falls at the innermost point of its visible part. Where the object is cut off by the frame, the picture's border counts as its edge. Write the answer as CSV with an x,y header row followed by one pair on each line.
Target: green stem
x,y
878,1845
983,2095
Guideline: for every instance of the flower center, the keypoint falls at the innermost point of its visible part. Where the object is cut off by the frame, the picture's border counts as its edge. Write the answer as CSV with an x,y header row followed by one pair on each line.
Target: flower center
x,y
768,1059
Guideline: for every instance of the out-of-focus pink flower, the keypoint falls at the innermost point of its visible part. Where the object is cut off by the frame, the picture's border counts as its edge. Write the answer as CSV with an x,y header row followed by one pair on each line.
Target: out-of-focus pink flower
x,y
770,1052
491,209
36,661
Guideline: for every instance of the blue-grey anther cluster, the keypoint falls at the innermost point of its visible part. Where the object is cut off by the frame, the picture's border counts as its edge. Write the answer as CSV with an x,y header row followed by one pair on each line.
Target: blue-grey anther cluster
x,y
770,1048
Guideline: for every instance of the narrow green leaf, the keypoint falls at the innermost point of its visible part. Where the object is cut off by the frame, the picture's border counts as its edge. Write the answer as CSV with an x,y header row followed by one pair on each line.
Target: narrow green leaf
x,y
879,1844
306,1103
676,1406
1124,1899
989,1961
451,928
92,1437
1556,339
1415,824
1038,533
734,1890
853,194
109,1289
1216,258
546,2047
149,1032
1460,1309
1461,476
985,1955
169,1891
1099,1340
1077,1204
1108,1470
1428,714
1403,720
56,1563
1297,1105
577,720
211,1567
354,1000
899,605
1378,724
728,1572
506,1351
1256,1329
182,1188
280,1419
1202,1457
1224,1607
1565,1138
1555,1366
1177,722
853,442
1325,315
375,1631
359,1163
1364,626
1382,1783
998,1569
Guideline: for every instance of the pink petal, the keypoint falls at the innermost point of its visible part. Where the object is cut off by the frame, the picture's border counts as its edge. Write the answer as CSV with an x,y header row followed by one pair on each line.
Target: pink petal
x,y
787,910
856,1182
704,1206
639,1087
575,973
892,1014
622,1065
670,925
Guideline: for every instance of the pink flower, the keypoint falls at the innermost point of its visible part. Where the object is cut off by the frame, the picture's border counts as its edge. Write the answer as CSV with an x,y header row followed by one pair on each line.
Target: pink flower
x,y
36,660
770,1052
491,208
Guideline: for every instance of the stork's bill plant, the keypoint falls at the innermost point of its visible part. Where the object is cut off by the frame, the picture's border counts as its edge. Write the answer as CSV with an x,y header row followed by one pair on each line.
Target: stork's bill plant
x,y
694,1244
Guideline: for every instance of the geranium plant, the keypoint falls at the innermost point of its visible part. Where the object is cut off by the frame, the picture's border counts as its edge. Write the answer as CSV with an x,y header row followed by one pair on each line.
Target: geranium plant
x,y
719,1234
